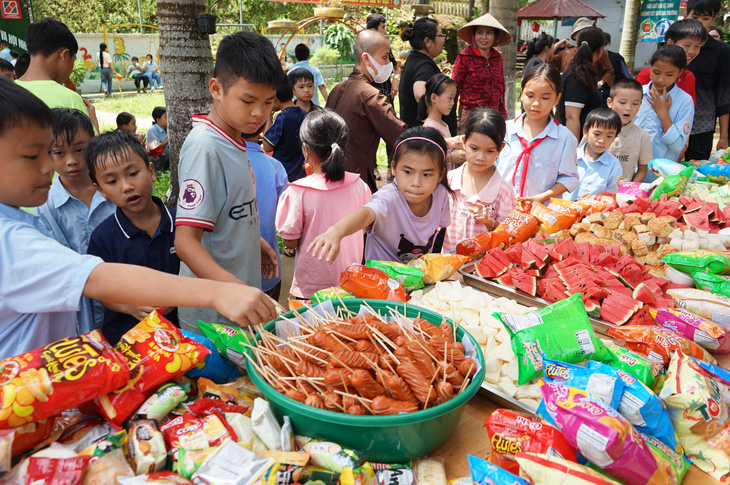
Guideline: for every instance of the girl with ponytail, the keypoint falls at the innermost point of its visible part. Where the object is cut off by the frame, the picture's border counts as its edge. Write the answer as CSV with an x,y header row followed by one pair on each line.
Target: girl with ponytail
x,y
312,204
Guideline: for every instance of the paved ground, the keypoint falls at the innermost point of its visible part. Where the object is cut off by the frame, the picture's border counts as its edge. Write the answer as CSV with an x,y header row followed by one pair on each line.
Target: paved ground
x,y
108,118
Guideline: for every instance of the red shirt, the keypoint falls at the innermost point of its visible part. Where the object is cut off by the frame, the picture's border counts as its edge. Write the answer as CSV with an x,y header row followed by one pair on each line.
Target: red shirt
x,y
479,80
686,81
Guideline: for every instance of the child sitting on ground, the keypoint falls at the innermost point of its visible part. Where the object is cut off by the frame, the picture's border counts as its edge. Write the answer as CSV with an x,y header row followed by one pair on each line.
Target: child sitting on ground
x,y
42,281
141,231
283,137
158,133
598,170
632,146
127,123
302,82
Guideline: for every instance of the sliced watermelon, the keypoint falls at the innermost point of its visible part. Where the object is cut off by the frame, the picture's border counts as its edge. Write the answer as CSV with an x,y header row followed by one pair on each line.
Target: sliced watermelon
x,y
622,290
566,263
614,316
642,317
583,252
553,295
514,253
622,301
505,280
596,292
593,308
550,271
642,204
653,286
595,252
553,255
499,255
528,259
699,219
566,248
489,267
643,293
526,283
603,259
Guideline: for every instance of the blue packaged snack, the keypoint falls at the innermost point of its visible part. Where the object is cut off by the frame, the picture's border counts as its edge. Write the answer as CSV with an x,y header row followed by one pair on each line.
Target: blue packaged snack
x,y
716,172
719,373
641,407
608,387
485,473
213,367
664,167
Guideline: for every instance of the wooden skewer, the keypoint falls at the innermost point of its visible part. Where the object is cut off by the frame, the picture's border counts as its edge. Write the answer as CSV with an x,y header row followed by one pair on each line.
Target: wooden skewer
x,y
278,354
387,350
318,359
383,338
466,382
342,363
340,335
311,383
362,400
445,361
302,326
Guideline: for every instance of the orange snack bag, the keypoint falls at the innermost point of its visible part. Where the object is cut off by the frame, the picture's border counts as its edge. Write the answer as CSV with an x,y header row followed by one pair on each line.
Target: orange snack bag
x,y
476,246
156,352
58,376
371,283
658,343
552,220
438,267
597,203
519,225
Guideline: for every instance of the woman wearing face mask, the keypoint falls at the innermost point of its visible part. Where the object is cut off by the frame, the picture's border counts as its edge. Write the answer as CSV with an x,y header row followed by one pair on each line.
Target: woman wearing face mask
x,y
478,70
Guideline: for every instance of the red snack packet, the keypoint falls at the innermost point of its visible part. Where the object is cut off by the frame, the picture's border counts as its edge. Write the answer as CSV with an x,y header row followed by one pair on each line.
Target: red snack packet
x,y
370,283
195,433
58,376
29,435
156,352
56,471
209,405
520,225
657,343
510,433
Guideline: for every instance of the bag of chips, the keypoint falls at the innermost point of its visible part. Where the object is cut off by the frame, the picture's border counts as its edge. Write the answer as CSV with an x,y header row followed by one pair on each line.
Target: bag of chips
x,y
699,414
332,293
156,352
476,246
657,343
703,304
672,184
213,367
546,469
675,464
195,433
56,470
484,473
393,473
713,283
145,446
232,463
552,221
698,260
230,342
329,455
166,398
438,267
58,376
605,386
591,204
565,206
519,225
709,335
407,275
371,283
601,434
637,365
510,433
560,331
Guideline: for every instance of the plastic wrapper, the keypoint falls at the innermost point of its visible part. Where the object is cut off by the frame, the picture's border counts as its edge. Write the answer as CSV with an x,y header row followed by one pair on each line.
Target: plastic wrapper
x,y
145,446
107,469
28,436
716,172
188,461
192,432
107,444
511,432
657,343
156,352
6,449
698,260
165,399
430,471
204,406
329,455
316,474
232,464
704,304
640,406
597,203
606,386
560,331
58,376
332,293
56,471
672,184
476,246
713,283
287,467
715,371
393,474
214,367
699,414
552,221
519,225
231,342
485,473
82,434
637,365
371,283
164,477
438,267
675,464
544,469
237,392
564,206
409,276
265,424
629,191
664,167
601,435
707,334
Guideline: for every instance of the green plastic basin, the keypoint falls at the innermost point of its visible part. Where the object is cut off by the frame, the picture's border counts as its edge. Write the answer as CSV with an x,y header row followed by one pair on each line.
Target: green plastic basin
x,y
384,439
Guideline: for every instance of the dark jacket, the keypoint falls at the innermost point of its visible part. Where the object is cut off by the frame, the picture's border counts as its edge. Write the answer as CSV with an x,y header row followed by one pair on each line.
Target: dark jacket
x,y
480,80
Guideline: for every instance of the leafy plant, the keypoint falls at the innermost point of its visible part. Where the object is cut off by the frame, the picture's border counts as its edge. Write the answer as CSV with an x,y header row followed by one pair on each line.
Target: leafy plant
x,y
79,73
161,185
339,37
324,56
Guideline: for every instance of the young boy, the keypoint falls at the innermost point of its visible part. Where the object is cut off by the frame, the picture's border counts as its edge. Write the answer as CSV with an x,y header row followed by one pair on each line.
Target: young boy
x,y
52,48
598,170
142,229
283,136
301,52
7,70
74,208
690,35
302,83
632,145
41,281
217,234
666,111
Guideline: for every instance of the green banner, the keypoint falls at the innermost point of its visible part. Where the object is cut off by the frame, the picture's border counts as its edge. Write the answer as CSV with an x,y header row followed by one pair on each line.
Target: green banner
x,y
15,15
655,18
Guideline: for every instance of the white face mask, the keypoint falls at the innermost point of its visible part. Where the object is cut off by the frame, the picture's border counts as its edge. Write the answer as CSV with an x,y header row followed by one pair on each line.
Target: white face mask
x,y
384,70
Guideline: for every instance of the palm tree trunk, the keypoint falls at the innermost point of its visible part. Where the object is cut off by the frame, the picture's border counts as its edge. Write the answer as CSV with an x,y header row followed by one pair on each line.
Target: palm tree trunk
x,y
628,37
187,64
505,11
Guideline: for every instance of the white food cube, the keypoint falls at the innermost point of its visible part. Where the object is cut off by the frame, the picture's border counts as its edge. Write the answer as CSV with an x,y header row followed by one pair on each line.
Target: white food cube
x,y
470,317
528,391
507,386
476,332
502,335
702,233
492,378
492,365
503,351
512,369
648,238
490,345
691,235
530,403
676,243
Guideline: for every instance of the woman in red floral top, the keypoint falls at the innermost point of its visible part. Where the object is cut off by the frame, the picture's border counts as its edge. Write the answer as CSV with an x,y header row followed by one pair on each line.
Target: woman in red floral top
x,y
478,70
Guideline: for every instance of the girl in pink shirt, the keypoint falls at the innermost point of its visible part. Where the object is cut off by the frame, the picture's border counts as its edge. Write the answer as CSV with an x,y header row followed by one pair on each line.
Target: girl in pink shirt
x,y
483,197
312,204
437,102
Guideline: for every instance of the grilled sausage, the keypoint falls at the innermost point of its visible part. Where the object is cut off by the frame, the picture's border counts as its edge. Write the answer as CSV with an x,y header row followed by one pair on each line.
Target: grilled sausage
x,y
444,391
366,385
365,346
337,380
419,385
385,406
308,369
356,409
297,395
468,367
315,400
351,358
398,389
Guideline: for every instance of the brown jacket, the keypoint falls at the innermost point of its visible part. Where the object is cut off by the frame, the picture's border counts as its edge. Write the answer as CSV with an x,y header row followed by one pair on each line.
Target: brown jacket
x,y
604,69
370,117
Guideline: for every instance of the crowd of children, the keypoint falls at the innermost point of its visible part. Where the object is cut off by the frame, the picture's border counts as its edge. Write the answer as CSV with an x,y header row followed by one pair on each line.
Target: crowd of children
x,y
99,233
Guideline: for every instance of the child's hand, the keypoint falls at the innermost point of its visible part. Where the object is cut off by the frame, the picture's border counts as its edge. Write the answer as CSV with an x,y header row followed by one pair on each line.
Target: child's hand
x,y
534,198
89,107
269,261
660,100
243,304
325,246
479,212
138,312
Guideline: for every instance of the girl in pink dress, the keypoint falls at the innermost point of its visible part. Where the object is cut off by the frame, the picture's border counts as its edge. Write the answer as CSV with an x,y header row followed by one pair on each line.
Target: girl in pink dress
x,y
437,102
312,204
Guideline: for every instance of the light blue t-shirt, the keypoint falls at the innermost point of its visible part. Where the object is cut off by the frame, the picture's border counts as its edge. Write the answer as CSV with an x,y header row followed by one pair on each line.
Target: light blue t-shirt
x,y
41,283
5,54
598,176
318,79
156,132
670,144
271,182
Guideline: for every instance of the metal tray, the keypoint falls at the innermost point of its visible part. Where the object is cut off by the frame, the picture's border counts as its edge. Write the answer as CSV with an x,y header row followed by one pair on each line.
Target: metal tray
x,y
494,394
495,289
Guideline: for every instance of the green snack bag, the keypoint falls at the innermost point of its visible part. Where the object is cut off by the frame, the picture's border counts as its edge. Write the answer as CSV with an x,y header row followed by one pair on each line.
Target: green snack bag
x,y
166,398
231,342
672,184
410,277
636,365
698,260
188,461
560,331
331,293
713,283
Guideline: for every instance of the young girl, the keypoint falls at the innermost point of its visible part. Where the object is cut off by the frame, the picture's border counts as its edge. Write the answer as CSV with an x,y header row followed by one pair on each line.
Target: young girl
x,y
483,197
437,103
539,159
127,123
404,217
666,112
312,204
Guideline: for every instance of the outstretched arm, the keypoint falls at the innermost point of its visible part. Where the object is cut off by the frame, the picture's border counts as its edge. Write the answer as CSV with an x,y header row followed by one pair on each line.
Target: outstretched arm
x,y
327,245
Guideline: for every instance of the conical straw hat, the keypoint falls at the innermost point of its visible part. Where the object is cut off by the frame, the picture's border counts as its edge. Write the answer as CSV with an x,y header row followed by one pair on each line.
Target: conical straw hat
x,y
502,36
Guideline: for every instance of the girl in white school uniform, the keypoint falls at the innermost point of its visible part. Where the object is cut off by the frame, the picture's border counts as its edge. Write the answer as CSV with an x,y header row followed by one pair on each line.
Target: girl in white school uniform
x,y
539,156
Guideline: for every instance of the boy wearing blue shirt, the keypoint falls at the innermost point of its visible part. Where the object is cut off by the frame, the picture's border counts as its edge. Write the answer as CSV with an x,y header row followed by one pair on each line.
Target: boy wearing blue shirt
x,y
598,170
141,231
283,136
42,281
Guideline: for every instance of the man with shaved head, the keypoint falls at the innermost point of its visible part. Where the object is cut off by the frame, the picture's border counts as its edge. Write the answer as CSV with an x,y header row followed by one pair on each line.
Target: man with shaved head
x,y
366,110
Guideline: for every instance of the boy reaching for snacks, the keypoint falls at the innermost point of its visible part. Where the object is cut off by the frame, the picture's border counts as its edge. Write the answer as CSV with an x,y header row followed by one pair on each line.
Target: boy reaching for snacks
x,y
41,281
141,231
217,227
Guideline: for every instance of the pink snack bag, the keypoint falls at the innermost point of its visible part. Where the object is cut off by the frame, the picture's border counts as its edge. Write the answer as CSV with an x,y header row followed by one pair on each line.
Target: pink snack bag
x,y
709,335
601,435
